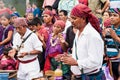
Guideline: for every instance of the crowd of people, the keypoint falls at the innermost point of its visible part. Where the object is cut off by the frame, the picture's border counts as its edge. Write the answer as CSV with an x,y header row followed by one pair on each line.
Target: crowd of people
x,y
78,35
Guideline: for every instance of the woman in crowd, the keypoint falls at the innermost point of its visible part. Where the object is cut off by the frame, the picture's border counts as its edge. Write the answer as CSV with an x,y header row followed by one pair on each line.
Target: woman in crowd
x,y
48,18
54,47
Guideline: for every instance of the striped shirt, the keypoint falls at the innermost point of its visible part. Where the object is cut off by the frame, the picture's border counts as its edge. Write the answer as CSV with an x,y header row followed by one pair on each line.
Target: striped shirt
x,y
112,45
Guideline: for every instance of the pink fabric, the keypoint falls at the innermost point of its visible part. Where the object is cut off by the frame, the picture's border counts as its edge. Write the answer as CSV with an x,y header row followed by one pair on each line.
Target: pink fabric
x,y
48,2
6,10
60,23
48,12
82,10
20,22
107,23
8,64
116,10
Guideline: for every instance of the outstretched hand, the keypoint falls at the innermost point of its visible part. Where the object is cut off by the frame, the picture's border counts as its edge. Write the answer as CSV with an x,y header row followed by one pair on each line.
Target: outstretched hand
x,y
66,59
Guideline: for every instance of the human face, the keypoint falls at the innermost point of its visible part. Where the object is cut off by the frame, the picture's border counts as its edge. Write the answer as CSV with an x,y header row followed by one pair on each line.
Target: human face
x,y
57,29
30,16
77,22
31,27
13,19
14,9
47,18
4,21
38,27
115,18
62,16
20,29
106,15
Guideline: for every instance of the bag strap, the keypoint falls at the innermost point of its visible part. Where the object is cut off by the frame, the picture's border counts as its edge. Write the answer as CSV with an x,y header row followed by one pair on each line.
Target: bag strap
x,y
26,37
19,47
76,50
24,41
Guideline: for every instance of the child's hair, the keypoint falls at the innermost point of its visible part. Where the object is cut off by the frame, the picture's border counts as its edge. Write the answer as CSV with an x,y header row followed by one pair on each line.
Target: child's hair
x,y
48,7
35,21
64,12
6,51
6,15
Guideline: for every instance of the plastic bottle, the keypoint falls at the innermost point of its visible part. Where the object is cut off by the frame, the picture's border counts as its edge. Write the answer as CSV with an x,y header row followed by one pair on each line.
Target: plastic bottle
x,y
58,73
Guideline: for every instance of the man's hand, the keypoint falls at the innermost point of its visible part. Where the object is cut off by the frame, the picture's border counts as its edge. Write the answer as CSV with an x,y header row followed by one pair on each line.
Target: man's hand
x,y
67,59
21,55
58,57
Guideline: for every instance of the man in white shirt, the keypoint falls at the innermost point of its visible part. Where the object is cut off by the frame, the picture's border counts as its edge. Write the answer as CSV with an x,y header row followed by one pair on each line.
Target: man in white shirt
x,y
88,47
27,51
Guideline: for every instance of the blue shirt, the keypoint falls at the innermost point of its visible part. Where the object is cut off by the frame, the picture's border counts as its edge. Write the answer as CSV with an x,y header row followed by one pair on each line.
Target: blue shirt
x,y
37,11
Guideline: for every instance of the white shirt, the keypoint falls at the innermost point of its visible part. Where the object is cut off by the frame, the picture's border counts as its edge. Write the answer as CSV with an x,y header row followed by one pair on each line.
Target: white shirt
x,y
32,43
90,50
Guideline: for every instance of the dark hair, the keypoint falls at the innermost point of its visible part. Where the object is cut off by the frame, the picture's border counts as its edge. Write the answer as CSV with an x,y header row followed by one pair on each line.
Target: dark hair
x,y
49,7
35,4
64,12
12,7
35,21
107,12
6,50
6,15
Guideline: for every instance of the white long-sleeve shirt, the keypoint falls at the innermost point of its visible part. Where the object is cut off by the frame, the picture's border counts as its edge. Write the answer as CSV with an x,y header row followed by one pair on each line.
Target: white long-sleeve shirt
x,y
32,43
89,50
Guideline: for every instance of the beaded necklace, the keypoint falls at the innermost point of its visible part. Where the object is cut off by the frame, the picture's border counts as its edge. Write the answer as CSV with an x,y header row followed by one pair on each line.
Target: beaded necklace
x,y
54,40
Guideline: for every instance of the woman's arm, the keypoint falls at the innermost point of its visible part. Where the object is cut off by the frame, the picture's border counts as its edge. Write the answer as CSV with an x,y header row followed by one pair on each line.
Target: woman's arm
x,y
9,37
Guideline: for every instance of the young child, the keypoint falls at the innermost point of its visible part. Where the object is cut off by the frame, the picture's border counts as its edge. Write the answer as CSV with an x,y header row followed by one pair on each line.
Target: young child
x,y
6,62
6,32
29,17
36,26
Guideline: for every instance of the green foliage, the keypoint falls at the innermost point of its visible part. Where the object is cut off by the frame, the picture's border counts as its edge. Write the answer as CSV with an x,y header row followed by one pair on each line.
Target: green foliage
x,y
20,5
39,2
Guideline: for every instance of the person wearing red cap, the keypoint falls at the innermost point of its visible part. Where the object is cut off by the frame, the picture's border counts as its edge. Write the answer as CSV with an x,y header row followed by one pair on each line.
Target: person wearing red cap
x,y
48,18
88,47
26,51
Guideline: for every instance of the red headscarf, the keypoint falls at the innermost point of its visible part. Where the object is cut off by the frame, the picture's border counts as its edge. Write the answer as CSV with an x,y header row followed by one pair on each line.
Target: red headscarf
x,y
48,12
82,10
51,14
60,23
